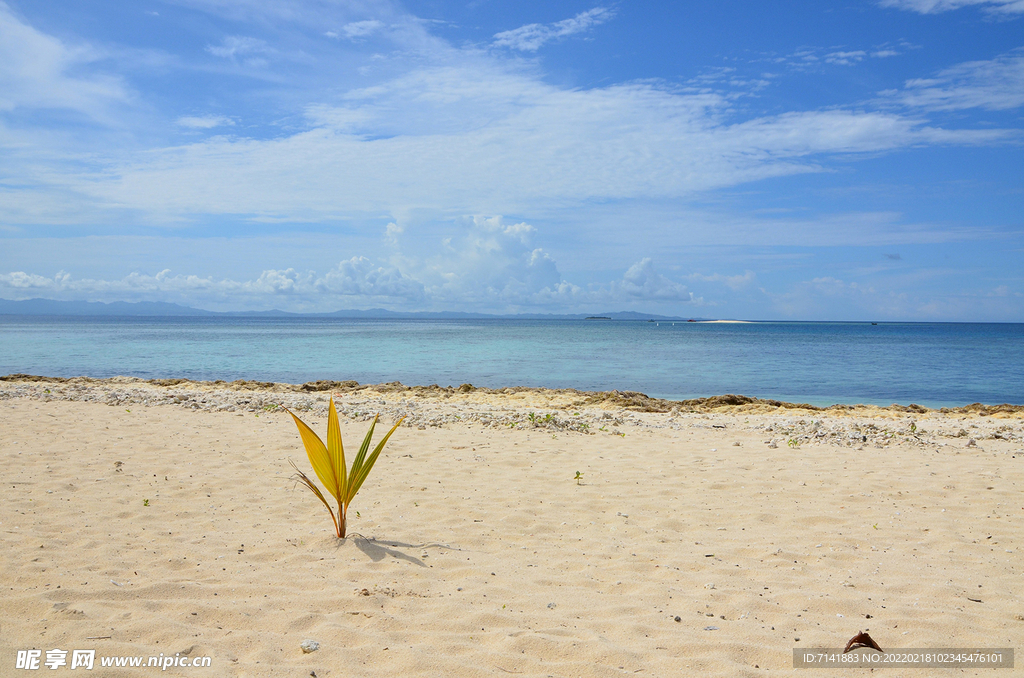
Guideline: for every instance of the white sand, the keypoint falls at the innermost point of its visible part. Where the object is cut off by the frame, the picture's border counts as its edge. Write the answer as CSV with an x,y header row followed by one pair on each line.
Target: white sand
x,y
476,553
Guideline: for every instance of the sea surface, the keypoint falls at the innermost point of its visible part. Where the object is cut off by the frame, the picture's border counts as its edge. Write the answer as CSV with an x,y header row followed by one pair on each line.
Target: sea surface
x,y
931,364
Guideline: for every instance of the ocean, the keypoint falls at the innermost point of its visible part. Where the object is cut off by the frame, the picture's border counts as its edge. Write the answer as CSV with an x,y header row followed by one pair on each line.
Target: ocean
x,y
930,364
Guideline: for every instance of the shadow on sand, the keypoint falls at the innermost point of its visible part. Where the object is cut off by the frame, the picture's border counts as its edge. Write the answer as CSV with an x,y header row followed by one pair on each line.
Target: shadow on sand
x,y
379,550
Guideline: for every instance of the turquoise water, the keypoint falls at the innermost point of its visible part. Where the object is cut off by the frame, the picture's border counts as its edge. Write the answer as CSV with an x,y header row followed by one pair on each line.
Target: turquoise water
x,y
931,364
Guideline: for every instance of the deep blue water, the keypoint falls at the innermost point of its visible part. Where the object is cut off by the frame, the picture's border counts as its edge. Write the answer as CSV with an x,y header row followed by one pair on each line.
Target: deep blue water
x,y
932,364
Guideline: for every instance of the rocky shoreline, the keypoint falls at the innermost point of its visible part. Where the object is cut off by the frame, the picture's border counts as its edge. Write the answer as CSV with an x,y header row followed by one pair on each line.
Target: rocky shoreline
x,y
554,410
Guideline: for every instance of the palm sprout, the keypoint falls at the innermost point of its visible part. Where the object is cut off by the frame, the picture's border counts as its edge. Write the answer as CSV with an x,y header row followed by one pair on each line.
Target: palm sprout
x,y
328,461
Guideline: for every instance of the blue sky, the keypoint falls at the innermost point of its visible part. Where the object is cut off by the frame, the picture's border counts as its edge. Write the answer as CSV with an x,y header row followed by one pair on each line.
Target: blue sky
x,y
786,160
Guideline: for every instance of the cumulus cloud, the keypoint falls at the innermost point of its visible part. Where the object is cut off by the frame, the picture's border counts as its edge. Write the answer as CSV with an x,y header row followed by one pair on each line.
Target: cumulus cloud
x,y
489,260
1005,7
531,37
392,232
642,281
352,282
359,277
491,265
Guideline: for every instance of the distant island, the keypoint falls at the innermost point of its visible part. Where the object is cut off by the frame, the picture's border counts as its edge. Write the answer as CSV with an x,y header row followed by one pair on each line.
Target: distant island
x,y
163,309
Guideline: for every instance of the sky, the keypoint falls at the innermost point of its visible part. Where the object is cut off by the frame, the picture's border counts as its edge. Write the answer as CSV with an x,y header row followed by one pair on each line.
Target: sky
x,y
792,160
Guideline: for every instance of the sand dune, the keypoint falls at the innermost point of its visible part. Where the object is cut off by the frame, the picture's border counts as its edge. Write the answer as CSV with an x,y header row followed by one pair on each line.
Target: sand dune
x,y
156,529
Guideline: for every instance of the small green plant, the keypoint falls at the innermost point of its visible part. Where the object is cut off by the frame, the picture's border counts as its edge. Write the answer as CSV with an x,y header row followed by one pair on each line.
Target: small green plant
x,y
793,443
145,502
578,478
328,461
532,417
913,427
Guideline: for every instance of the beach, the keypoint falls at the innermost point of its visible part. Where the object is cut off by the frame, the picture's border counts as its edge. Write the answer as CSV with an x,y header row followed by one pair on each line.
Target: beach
x,y
148,518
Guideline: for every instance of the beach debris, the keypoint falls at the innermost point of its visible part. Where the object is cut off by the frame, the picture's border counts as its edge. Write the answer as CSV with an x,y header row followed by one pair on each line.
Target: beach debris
x,y
862,639
328,461
309,646
710,628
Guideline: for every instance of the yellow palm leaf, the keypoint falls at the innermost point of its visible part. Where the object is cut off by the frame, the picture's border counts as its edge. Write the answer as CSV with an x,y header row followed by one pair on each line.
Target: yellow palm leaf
x,y
336,451
328,461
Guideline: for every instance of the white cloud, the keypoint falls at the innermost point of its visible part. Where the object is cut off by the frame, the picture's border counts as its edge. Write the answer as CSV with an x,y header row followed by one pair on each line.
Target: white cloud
x,y
936,6
531,37
830,298
996,84
490,260
361,29
35,72
642,281
496,270
487,140
392,231
204,121
232,46
845,58
322,16
358,277
352,282
733,282
488,264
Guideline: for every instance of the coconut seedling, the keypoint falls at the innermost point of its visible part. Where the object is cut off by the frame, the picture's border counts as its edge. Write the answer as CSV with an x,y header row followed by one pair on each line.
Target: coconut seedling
x,y
328,462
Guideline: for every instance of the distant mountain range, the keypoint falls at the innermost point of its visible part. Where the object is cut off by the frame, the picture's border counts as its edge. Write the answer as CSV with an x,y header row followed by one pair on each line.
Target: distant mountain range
x,y
159,308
